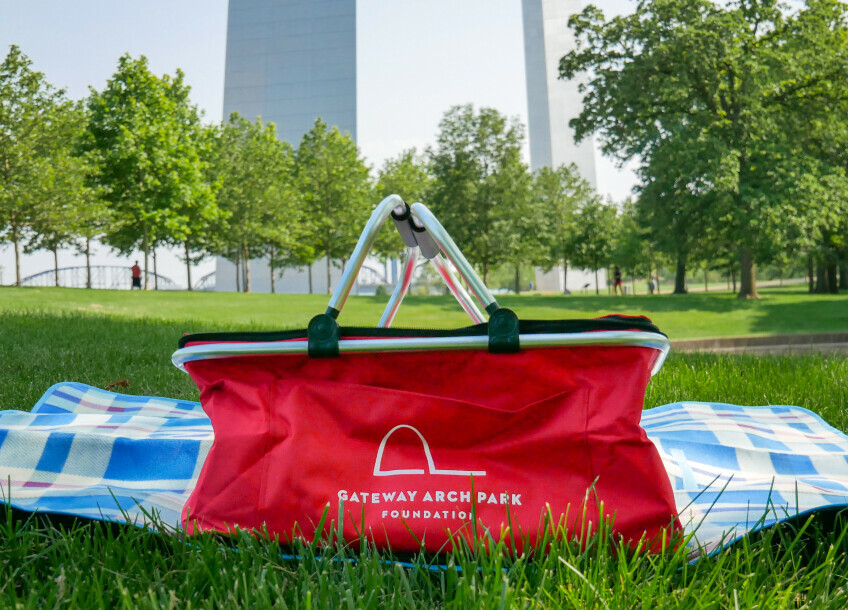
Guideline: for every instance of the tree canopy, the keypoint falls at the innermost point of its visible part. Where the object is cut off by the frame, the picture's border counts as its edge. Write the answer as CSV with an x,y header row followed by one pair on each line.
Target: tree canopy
x,y
335,188
256,172
31,118
143,131
713,82
480,180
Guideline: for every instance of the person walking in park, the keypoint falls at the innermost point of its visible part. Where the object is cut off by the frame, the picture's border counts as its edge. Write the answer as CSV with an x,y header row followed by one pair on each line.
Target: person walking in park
x,y
617,285
136,276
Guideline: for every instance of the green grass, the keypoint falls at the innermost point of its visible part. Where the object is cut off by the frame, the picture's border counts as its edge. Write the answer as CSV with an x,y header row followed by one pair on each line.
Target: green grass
x,y
781,310
53,335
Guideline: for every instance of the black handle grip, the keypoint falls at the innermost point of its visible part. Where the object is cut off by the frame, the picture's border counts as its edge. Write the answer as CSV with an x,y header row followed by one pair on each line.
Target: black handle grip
x,y
426,244
403,223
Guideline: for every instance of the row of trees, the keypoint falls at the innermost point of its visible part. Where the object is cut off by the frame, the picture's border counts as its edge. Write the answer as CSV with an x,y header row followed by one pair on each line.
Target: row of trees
x,y
738,114
134,166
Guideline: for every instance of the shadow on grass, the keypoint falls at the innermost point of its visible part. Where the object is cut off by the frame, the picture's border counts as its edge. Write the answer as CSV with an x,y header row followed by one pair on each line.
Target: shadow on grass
x,y
778,311
591,305
809,314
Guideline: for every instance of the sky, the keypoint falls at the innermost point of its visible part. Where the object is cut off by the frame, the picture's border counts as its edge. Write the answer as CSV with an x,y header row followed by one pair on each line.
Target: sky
x,y
415,59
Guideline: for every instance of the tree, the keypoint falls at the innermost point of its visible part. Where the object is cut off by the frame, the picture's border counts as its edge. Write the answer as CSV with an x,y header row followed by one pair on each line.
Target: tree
x,y
91,219
29,108
284,230
684,190
724,70
829,232
819,172
60,202
336,193
143,132
478,175
406,175
559,194
632,247
522,223
255,170
596,224
198,216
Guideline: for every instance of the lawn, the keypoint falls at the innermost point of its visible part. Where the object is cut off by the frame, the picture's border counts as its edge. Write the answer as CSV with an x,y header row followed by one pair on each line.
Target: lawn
x,y
49,335
714,314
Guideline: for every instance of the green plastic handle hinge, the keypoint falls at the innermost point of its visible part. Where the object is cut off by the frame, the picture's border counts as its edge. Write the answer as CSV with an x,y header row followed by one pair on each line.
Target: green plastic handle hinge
x,y
322,337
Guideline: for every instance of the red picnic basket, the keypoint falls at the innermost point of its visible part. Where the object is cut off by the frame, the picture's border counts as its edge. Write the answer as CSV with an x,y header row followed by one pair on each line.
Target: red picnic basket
x,y
412,438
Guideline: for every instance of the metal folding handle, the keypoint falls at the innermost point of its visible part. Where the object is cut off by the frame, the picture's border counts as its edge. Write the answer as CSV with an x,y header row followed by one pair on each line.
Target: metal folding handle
x,y
363,247
421,231
428,220
211,351
417,239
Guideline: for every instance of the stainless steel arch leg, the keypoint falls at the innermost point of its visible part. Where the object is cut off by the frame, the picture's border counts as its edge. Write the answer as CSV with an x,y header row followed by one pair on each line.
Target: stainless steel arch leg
x,y
363,246
457,290
401,288
455,256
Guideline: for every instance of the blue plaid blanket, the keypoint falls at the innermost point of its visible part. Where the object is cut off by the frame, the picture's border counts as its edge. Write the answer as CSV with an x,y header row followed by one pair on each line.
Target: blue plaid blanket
x,y
88,452
97,454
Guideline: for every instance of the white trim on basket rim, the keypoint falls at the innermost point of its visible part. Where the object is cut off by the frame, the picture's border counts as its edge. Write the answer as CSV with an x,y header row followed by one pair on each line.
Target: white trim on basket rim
x,y
629,338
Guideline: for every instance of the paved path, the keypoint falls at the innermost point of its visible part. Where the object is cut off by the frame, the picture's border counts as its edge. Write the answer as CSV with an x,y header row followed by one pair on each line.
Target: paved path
x,y
822,343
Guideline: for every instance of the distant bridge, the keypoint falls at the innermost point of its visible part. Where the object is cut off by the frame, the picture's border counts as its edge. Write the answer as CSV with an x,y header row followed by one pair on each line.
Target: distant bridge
x,y
115,277
110,277
369,279
207,282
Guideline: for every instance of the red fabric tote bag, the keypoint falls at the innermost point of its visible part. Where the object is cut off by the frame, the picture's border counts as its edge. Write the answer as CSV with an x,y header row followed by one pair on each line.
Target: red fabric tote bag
x,y
408,436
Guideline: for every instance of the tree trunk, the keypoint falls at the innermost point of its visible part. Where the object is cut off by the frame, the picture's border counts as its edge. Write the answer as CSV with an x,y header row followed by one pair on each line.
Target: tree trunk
x,y
310,277
238,272
88,263
821,278
706,286
680,274
155,271
733,278
56,266
651,288
486,271
271,267
748,275
843,275
564,277
17,258
188,265
145,247
517,280
329,279
597,292
811,281
832,281
246,258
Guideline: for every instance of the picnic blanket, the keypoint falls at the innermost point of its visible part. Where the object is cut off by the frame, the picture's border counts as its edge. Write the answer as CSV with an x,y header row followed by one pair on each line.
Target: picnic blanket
x,y
102,455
